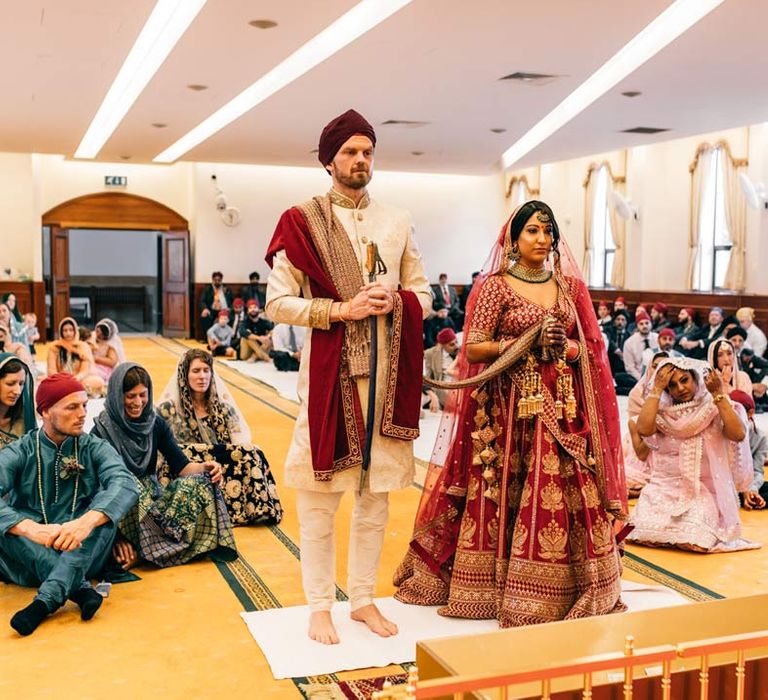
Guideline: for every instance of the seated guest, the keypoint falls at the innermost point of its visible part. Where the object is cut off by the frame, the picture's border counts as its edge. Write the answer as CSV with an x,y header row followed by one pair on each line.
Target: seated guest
x,y
659,316
620,305
444,297
13,318
253,291
617,337
170,525
436,320
255,335
17,410
755,337
17,349
636,465
68,353
667,341
214,298
105,351
207,424
61,495
220,336
696,345
466,292
738,338
238,316
287,344
438,362
698,456
686,324
640,346
754,498
31,333
757,370
604,318
722,356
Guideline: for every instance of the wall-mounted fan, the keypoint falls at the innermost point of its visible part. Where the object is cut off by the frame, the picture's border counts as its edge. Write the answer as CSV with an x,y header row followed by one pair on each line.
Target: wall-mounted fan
x,y
754,192
623,206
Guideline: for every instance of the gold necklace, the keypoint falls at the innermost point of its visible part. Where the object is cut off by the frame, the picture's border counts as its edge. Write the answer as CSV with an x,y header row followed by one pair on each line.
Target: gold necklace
x,y
527,274
56,472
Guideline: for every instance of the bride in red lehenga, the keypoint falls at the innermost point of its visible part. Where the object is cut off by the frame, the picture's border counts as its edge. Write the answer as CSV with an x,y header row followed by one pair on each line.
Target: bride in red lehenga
x,y
526,480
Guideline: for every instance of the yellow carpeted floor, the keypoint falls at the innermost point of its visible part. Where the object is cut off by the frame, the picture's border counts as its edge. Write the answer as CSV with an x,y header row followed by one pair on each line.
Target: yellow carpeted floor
x,y
176,633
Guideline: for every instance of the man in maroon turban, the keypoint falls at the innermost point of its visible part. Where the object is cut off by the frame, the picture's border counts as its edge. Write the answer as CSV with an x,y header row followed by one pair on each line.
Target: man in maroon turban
x,y
438,365
319,279
62,494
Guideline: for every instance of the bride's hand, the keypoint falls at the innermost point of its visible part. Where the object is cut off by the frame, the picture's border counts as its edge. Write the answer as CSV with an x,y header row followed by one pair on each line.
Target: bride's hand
x,y
553,334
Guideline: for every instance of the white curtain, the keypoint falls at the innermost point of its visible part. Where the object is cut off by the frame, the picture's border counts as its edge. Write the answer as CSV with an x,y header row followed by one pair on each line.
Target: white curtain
x,y
519,192
589,203
698,178
619,235
736,222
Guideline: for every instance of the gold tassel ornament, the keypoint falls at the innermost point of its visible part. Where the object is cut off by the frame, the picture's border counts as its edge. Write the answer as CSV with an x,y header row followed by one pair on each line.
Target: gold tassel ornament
x,y
566,400
531,402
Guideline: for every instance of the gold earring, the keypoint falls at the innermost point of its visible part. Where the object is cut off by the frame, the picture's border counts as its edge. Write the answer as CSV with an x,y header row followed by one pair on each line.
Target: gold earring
x,y
514,253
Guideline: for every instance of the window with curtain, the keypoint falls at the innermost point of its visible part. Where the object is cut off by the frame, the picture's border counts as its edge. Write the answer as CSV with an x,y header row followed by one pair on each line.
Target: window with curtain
x,y
602,246
714,236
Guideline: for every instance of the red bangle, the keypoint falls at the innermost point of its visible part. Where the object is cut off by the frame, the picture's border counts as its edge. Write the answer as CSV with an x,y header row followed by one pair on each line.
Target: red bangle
x,y
573,352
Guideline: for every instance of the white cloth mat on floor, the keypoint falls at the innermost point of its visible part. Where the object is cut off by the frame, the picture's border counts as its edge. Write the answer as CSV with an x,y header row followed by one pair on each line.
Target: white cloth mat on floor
x,y
282,633
284,383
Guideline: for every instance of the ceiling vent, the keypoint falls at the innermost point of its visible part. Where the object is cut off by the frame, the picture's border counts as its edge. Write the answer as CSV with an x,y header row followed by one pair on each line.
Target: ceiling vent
x,y
643,130
531,78
632,93
408,123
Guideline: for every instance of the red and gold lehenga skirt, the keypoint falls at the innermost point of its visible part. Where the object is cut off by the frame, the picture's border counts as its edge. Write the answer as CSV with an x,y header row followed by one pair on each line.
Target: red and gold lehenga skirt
x,y
537,548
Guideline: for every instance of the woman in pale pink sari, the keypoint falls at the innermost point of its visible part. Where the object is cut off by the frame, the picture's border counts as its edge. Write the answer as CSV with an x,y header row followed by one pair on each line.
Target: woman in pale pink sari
x,y
636,467
698,456
722,355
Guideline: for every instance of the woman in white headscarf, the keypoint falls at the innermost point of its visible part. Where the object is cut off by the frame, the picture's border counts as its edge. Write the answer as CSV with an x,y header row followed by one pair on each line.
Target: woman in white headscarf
x,y
699,458
208,425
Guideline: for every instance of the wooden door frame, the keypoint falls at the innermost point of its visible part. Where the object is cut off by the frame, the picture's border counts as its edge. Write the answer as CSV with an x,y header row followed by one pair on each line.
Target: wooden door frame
x,y
118,210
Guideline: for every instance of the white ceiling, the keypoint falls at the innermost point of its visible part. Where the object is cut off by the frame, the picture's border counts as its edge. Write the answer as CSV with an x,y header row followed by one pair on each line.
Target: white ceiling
x,y
436,60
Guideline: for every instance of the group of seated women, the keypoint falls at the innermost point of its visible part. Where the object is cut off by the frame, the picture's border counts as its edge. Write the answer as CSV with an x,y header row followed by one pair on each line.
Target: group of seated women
x,y
198,472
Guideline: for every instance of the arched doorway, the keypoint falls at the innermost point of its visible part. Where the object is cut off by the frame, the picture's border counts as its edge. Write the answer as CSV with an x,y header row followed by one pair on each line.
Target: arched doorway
x,y
118,210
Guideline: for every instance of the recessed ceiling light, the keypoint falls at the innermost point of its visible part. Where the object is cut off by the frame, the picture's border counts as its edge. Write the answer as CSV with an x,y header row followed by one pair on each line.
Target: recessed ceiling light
x,y
159,125
410,123
363,17
197,87
498,130
663,30
164,27
417,153
531,78
632,93
643,130
125,157
315,151
262,23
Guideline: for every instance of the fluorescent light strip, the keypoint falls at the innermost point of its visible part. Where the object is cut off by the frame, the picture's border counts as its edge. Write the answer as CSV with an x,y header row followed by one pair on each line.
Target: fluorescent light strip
x,y
165,26
670,24
350,26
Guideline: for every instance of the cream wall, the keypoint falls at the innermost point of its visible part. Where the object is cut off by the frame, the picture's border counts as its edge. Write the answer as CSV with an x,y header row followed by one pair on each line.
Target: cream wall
x,y
19,225
658,182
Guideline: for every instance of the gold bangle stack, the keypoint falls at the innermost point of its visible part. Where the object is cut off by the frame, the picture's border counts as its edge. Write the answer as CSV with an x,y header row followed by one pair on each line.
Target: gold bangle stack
x,y
718,398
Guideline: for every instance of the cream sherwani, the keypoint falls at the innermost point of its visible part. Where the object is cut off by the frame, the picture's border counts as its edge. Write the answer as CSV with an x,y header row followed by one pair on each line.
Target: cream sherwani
x,y
289,300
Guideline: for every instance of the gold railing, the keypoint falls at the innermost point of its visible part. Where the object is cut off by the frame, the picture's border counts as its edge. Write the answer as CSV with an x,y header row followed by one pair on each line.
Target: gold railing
x,y
586,667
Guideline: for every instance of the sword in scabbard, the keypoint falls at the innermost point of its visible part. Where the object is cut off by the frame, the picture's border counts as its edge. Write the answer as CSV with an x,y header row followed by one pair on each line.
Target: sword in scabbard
x,y
375,266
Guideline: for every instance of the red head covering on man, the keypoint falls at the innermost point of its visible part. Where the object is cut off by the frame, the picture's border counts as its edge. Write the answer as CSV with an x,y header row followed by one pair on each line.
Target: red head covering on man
x,y
446,336
54,388
642,315
666,333
339,130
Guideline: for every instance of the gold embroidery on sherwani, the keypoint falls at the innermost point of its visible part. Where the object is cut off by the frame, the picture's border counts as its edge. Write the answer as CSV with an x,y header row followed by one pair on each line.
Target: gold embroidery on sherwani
x,y
467,534
519,537
552,497
591,496
602,537
320,313
552,541
474,488
525,499
573,499
550,463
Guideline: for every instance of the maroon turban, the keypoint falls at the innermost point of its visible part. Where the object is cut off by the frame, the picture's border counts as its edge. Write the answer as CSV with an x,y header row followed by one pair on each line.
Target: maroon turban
x,y
642,315
54,388
446,336
339,130
661,307
743,398
664,332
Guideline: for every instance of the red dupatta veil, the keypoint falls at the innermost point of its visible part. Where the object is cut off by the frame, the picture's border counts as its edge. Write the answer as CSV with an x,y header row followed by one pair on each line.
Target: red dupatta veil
x,y
453,451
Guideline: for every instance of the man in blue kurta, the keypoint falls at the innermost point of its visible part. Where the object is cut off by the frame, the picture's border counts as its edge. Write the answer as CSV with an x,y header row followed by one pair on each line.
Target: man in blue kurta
x,y
65,492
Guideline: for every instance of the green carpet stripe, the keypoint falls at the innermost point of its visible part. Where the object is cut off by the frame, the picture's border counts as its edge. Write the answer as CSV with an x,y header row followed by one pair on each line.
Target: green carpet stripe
x,y
690,589
234,585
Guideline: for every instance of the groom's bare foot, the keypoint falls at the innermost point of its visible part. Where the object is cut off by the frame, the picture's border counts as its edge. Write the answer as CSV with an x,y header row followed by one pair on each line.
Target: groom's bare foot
x,y
377,623
321,627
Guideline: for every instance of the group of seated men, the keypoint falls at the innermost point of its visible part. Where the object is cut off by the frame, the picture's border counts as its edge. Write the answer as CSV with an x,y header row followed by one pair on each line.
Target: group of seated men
x,y
632,339
237,328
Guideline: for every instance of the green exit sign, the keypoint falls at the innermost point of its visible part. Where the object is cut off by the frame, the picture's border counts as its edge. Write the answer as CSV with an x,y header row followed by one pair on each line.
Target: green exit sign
x,y
115,181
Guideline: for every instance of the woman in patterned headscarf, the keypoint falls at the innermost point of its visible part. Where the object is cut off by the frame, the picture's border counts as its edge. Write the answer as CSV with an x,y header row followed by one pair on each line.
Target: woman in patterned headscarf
x,y
207,424
17,410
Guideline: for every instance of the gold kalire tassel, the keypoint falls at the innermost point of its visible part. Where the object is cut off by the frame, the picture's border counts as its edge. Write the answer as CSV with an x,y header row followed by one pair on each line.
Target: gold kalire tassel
x,y
531,403
565,396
